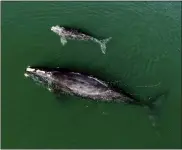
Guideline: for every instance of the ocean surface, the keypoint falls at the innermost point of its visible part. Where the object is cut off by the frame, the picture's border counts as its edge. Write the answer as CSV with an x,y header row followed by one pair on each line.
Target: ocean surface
x,y
143,57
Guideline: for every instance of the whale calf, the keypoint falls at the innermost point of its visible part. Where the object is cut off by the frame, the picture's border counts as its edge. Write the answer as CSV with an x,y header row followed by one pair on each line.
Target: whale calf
x,y
74,34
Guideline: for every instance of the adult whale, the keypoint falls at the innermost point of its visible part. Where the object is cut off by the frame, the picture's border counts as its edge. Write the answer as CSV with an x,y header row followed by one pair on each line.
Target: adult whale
x,y
74,34
60,81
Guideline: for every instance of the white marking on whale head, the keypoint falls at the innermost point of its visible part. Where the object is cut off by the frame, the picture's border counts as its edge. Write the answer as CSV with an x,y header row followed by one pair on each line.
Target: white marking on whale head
x,y
57,29
44,74
26,75
39,71
30,69
49,89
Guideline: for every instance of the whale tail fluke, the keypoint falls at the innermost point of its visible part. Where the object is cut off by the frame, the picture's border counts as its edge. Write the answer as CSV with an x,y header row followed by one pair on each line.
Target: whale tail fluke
x,y
103,44
154,107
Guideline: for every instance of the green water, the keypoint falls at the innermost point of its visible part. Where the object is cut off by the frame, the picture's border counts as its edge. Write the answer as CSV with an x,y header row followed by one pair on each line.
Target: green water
x,y
145,50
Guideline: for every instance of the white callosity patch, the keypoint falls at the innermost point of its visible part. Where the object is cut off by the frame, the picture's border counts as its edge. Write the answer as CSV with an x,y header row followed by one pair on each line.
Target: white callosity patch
x,y
49,74
30,69
39,71
49,89
26,75
56,29
46,75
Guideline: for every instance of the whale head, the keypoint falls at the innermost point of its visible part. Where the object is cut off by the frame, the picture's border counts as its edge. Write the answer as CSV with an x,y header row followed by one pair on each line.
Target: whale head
x,y
40,76
57,29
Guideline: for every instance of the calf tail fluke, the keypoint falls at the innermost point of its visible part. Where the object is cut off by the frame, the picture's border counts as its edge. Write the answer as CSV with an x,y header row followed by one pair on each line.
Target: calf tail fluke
x,y
103,44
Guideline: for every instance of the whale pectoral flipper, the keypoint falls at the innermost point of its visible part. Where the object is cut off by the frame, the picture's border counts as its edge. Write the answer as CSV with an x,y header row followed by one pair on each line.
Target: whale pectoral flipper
x,y
63,40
